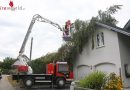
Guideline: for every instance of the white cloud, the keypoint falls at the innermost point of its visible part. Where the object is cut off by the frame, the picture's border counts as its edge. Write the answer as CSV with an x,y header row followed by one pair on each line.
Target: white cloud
x,y
14,24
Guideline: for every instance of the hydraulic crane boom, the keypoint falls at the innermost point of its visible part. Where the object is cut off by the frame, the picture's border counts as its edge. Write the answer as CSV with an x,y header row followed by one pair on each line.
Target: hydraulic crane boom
x,y
23,59
39,18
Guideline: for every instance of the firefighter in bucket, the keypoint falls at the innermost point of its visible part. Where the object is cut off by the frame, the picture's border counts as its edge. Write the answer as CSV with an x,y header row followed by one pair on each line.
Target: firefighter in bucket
x,y
68,31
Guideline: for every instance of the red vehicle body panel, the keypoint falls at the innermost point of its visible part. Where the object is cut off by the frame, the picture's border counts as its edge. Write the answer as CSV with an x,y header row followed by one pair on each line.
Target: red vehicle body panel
x,y
22,68
50,68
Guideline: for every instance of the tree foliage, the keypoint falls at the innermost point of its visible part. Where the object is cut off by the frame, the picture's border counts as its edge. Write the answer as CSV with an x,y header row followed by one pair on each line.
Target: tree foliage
x,y
39,65
6,65
106,16
85,30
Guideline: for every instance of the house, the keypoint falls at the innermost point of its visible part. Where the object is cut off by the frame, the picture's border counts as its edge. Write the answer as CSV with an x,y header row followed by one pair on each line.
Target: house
x,y
111,53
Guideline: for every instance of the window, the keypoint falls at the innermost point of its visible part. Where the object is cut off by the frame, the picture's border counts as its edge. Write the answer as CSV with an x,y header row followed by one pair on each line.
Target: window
x,y
100,39
63,68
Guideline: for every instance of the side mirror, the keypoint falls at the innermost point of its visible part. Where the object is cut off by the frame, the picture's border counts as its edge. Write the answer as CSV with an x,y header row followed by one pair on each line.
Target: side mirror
x,y
127,70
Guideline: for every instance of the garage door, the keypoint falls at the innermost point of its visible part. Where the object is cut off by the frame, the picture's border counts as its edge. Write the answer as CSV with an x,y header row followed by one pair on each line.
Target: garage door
x,y
106,67
82,71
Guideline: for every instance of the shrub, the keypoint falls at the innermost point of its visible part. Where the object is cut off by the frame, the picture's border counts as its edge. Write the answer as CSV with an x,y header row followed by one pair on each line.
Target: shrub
x,y
114,82
94,80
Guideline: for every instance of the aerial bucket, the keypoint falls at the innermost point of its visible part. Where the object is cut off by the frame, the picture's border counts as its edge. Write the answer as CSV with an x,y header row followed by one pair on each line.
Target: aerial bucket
x,y
68,31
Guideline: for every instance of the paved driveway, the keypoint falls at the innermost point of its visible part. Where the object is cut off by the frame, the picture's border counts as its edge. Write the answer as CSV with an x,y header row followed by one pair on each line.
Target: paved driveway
x,y
43,88
5,85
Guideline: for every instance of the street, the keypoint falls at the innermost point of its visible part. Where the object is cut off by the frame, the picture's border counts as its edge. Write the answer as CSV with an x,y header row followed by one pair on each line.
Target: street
x,y
5,85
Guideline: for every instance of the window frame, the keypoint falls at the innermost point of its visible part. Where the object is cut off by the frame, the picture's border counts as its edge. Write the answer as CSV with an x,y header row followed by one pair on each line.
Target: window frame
x,y
100,41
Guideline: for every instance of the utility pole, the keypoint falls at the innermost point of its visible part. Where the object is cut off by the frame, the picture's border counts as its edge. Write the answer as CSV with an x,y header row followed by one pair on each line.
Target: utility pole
x,y
31,48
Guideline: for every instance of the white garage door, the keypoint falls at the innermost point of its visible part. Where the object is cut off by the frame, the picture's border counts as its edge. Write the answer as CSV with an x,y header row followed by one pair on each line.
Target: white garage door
x,y
106,67
82,71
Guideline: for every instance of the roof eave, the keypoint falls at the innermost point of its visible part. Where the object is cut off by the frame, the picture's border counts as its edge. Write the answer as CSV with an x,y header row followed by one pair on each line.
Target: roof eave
x,y
113,29
127,25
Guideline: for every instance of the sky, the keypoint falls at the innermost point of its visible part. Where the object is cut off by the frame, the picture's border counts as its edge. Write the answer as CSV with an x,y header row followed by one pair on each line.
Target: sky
x,y
14,23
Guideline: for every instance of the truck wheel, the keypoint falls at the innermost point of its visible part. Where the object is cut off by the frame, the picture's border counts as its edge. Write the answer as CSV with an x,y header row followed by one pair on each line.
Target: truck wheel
x,y
28,82
60,82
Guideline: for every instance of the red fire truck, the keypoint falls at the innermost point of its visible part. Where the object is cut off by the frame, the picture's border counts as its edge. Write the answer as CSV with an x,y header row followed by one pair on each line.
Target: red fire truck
x,y
56,74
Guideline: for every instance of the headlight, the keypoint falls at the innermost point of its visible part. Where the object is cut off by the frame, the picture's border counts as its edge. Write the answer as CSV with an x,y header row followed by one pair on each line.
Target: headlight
x,y
67,75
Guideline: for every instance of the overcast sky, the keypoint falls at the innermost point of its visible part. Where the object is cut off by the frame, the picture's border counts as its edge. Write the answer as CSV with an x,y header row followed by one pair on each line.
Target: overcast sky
x,y
14,24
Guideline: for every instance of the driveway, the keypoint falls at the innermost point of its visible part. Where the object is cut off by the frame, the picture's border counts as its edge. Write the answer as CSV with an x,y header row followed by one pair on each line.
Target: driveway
x,y
43,88
5,85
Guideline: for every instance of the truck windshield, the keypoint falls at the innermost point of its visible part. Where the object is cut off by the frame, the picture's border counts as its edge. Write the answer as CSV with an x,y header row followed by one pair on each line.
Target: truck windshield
x,y
63,68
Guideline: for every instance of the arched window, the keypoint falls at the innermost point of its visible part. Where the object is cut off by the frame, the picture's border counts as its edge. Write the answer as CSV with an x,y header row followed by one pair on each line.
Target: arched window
x,y
100,39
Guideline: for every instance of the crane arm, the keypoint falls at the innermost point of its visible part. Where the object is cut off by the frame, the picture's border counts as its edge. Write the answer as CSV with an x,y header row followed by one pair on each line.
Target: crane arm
x,y
39,18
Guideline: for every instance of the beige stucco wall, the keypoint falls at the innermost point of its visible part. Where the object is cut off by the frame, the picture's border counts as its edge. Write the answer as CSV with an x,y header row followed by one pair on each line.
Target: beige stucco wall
x,y
101,58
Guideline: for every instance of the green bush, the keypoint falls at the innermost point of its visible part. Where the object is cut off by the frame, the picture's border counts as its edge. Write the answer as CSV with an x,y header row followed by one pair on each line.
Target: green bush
x,y
114,82
94,80
5,71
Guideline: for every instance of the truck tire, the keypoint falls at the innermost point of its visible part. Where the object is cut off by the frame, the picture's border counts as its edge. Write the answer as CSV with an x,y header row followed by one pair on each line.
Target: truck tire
x,y
28,82
60,82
